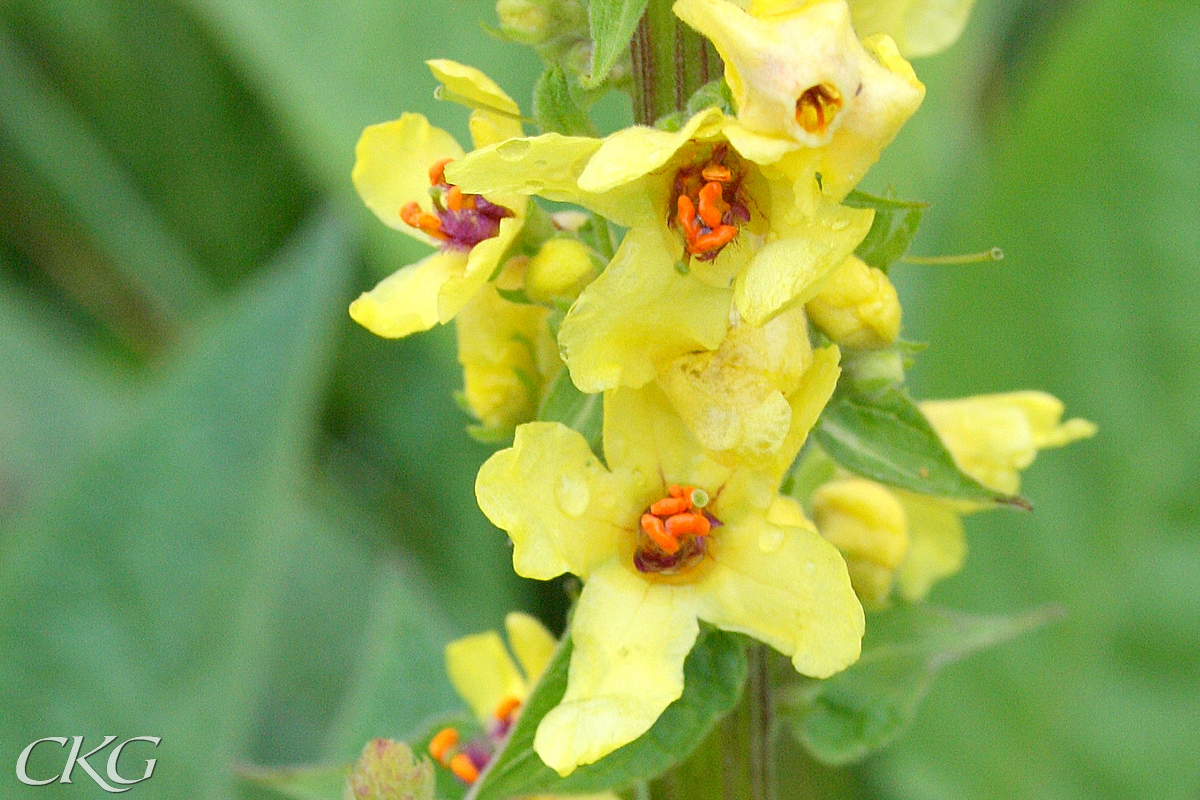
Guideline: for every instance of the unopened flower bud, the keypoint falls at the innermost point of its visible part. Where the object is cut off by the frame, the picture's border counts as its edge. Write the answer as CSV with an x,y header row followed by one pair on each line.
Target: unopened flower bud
x,y
387,770
560,270
539,22
867,523
857,307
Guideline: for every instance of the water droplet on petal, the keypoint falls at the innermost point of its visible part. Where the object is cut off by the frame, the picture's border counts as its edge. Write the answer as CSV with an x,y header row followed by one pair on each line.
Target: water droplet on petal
x,y
769,541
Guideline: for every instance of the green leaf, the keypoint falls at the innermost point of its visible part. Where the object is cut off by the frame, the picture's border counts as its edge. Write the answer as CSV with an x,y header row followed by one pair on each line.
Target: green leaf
x,y
881,434
892,231
582,412
136,595
612,24
555,107
846,717
299,783
712,94
714,674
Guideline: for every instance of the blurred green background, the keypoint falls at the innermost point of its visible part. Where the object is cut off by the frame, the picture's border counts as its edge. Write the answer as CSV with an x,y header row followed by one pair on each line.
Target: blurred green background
x,y
232,519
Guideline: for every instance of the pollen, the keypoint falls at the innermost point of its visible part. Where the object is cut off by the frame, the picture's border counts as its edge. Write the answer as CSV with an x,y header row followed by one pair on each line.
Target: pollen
x,y
464,769
460,220
817,107
443,745
506,708
708,205
672,531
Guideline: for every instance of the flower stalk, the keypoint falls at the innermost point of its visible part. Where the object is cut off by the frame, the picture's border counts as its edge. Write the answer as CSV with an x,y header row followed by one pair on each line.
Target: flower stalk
x,y
670,62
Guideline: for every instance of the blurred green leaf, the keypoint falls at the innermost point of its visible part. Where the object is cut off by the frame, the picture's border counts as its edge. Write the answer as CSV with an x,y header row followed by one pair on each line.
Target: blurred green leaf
x,y
892,230
879,433
299,783
578,411
555,107
134,597
612,24
847,717
714,674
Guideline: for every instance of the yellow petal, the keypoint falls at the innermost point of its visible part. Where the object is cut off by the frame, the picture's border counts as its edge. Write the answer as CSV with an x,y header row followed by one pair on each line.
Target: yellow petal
x,y
920,27
640,313
559,271
791,269
857,307
531,643
391,167
549,166
483,673
993,437
734,398
630,639
499,348
937,546
407,300
795,595
645,437
807,401
563,511
630,154
495,116
482,262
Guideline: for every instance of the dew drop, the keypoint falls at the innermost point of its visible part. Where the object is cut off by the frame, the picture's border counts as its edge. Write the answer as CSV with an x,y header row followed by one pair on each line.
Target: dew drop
x,y
571,493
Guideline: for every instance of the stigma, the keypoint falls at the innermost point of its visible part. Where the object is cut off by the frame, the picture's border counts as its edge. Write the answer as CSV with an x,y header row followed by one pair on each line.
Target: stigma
x,y
460,221
673,532
708,205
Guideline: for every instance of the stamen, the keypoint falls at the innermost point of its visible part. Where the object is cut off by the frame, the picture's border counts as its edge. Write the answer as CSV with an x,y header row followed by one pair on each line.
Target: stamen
x,y
718,238
506,707
464,769
683,525
437,172
413,215
675,490
712,205
442,743
716,172
657,530
668,506
454,199
817,106
687,219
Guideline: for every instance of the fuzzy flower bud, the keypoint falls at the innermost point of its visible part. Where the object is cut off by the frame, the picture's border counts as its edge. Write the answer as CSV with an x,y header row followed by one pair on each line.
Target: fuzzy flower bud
x,y
857,307
560,270
387,770
539,23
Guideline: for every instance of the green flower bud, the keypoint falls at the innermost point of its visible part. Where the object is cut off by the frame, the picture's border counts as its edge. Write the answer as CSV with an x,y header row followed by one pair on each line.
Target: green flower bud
x,y
387,770
560,270
539,22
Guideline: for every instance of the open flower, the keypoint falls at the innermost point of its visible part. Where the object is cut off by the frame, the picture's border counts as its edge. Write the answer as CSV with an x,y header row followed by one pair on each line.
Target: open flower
x,y
399,172
715,232
895,539
664,537
486,677
800,76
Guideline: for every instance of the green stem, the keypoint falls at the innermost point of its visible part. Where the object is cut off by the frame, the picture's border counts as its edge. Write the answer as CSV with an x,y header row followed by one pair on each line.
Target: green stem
x,y
670,62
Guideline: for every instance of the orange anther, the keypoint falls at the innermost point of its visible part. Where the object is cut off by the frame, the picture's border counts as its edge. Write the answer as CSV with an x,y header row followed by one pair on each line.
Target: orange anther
x,y
454,199
712,205
656,530
717,172
675,490
668,506
462,766
442,743
437,173
681,525
686,217
423,220
707,242
506,707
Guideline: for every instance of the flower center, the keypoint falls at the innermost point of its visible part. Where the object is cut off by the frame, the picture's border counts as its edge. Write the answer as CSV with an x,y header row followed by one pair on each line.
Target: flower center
x,y
708,205
673,532
817,107
467,761
461,220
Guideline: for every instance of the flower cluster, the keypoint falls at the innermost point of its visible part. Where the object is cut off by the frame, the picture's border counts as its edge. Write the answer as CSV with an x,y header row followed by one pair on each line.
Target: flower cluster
x,y
715,334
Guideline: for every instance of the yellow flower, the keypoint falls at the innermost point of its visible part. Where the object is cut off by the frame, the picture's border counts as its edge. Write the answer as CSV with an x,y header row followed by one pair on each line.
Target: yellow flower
x,y
800,76
398,172
857,307
893,536
664,537
768,243
486,677
920,27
